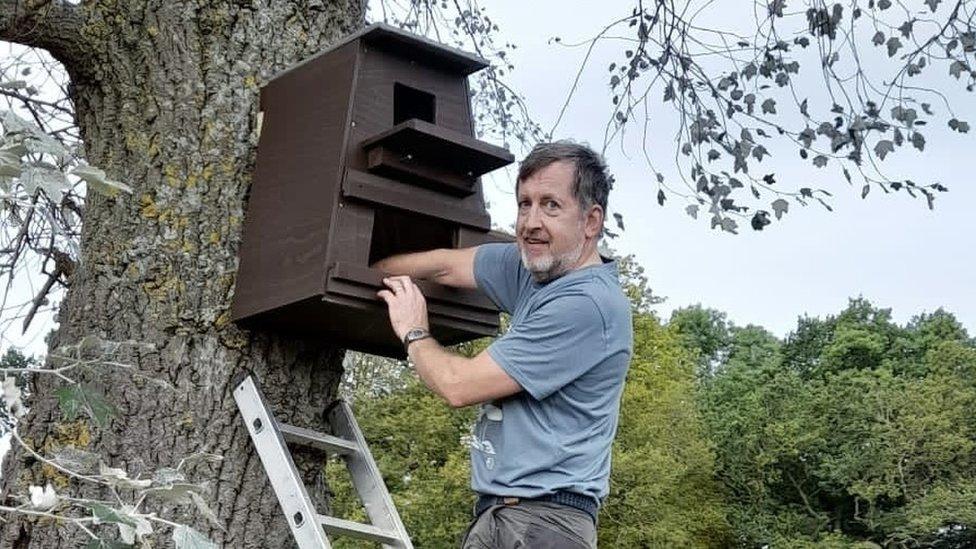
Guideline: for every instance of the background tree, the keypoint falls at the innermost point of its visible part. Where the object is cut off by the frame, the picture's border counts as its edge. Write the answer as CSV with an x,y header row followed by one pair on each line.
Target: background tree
x,y
854,430
163,101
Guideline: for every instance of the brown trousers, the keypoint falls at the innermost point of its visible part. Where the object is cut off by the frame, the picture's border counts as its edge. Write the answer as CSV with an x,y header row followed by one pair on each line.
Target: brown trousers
x,y
531,525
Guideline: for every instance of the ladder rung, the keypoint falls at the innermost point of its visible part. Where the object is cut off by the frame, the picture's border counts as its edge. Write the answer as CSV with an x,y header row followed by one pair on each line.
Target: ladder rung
x,y
359,530
307,437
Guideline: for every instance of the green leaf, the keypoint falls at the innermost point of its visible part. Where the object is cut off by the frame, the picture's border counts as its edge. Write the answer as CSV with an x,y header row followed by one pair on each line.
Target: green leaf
x,y
780,207
50,180
185,537
83,398
99,182
894,44
865,191
820,160
933,4
105,514
769,106
878,39
959,125
692,210
918,141
956,68
883,147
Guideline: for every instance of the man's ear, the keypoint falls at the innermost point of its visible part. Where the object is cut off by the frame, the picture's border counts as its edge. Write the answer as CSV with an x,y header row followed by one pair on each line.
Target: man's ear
x,y
594,222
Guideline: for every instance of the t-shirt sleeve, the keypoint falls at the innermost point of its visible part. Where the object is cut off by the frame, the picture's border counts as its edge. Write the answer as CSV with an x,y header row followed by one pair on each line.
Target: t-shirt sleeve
x,y
553,345
497,272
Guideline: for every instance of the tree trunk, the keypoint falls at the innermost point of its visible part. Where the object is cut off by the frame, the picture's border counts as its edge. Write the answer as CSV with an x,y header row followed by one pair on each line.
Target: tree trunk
x,y
166,97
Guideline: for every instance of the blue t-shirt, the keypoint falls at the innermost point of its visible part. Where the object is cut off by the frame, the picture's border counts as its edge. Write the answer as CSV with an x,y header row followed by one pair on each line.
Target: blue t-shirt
x,y
568,346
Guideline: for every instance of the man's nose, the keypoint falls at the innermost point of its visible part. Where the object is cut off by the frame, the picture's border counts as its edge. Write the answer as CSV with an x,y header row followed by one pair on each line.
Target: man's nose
x,y
532,218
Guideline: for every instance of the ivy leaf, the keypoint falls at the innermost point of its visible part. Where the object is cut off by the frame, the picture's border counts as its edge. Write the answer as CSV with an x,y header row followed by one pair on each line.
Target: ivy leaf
x,y
50,180
692,210
956,68
205,510
77,398
105,514
884,4
865,191
780,207
894,44
918,141
769,106
820,161
660,197
99,182
959,125
759,151
729,225
760,220
906,28
119,477
620,220
878,39
185,537
883,147
933,4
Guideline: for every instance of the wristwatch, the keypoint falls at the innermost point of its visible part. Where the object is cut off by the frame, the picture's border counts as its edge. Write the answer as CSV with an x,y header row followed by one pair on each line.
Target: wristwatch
x,y
414,334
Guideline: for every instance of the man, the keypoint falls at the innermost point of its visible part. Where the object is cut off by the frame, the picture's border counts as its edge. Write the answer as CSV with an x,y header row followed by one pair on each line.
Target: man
x,y
550,387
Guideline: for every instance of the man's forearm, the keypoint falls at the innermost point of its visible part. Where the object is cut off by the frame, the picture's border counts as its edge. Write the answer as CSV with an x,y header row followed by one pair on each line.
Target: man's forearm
x,y
438,368
427,265
446,266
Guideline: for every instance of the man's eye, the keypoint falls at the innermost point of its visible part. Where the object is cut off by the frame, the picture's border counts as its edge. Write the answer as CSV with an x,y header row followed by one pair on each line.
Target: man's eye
x,y
552,204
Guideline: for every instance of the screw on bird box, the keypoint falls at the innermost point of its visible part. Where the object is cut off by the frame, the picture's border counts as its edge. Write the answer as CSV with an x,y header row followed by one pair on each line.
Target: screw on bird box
x,y
366,150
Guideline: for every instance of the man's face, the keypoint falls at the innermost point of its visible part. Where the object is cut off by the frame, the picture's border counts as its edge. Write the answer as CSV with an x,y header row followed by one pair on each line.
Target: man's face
x,y
551,227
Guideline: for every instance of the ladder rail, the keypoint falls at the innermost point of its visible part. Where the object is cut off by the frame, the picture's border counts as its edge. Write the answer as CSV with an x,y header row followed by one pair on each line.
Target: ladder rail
x,y
280,468
366,476
308,527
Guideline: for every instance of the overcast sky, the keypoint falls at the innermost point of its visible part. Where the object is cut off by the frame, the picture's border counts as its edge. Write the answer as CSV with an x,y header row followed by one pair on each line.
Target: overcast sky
x,y
890,249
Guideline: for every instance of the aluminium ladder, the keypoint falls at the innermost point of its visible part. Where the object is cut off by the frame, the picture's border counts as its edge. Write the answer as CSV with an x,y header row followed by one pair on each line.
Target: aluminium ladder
x,y
307,526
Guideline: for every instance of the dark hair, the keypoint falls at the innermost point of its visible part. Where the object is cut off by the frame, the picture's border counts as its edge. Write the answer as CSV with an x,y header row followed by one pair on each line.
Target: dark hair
x,y
592,182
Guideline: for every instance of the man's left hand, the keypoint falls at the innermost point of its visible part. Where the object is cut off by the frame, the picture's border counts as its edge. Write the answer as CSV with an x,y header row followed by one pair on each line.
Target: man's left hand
x,y
408,308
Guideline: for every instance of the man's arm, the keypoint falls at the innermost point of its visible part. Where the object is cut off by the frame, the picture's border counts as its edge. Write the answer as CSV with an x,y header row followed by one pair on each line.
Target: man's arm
x,y
459,380
446,266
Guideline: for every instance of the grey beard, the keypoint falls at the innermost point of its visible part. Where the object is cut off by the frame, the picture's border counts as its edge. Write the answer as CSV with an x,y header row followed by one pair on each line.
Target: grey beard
x,y
555,267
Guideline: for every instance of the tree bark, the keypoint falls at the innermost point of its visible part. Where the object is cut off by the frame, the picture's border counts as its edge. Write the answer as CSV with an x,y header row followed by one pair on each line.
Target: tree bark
x,y
166,97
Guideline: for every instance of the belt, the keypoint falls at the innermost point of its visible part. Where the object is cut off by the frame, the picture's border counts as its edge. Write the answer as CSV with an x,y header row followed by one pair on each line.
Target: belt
x,y
572,499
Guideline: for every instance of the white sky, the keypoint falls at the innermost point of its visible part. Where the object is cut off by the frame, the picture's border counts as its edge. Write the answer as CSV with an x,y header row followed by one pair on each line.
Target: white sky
x,y
889,248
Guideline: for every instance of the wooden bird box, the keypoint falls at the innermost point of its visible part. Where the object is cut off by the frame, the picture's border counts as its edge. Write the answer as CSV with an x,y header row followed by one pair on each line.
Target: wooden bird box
x,y
366,150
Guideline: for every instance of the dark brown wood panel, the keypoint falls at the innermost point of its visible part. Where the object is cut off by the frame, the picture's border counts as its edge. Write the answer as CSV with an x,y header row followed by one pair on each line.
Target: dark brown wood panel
x,y
295,183
391,193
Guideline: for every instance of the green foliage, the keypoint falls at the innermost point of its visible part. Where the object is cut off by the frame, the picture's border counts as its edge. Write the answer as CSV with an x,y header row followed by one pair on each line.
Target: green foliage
x,y
703,331
80,398
417,441
662,492
855,431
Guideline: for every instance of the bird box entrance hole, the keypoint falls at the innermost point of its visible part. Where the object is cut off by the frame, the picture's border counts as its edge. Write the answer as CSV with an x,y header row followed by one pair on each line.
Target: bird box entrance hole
x,y
397,232
410,103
